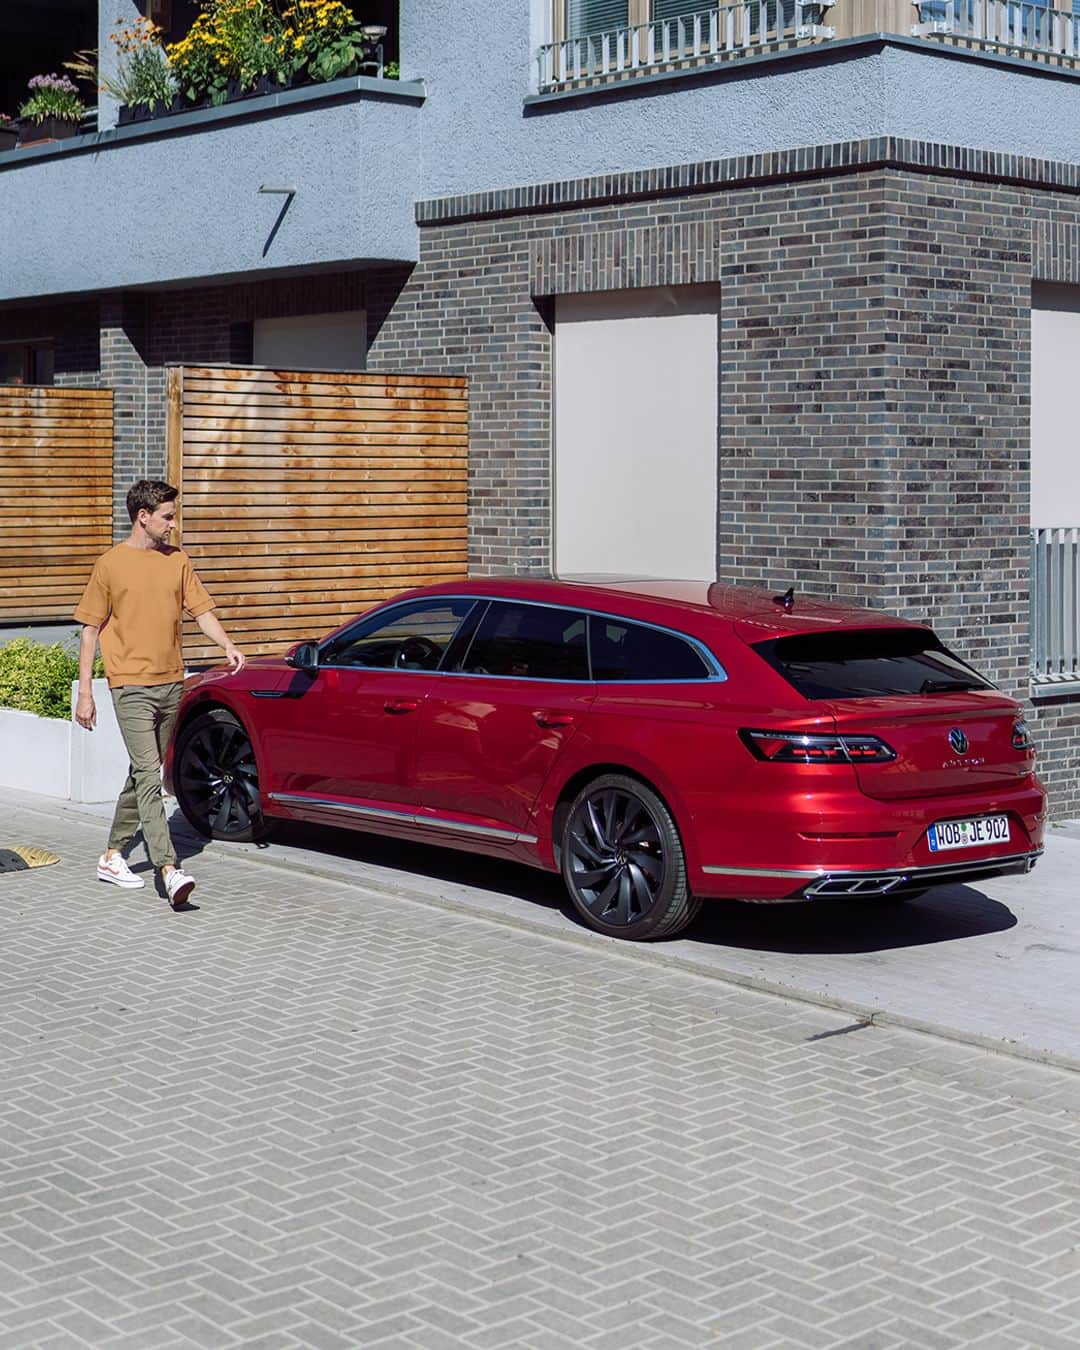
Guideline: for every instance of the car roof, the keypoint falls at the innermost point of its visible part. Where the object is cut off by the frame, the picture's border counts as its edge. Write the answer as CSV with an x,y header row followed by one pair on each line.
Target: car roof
x,y
754,611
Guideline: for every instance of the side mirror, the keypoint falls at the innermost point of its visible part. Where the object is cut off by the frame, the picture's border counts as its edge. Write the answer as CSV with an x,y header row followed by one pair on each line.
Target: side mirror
x,y
304,657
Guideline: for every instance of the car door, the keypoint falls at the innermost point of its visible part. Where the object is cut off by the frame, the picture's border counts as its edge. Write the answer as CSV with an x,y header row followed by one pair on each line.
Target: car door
x,y
347,731
495,722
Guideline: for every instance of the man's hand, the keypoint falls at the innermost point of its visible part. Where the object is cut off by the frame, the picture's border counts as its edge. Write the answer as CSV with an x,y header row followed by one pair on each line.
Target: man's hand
x,y
211,626
85,711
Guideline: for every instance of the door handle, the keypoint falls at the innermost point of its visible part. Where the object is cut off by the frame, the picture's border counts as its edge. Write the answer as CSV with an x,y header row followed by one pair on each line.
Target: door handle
x,y
401,705
553,719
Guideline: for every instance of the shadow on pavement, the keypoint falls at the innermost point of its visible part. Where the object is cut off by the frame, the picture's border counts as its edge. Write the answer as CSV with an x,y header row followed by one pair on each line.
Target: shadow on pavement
x,y
837,926
945,915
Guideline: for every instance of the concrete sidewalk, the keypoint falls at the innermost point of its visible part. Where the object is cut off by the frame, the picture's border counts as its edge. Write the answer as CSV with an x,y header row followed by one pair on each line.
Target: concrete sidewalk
x,y
994,965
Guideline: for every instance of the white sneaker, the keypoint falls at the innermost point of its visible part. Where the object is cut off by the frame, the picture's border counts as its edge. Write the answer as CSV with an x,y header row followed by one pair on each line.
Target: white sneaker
x,y
179,886
116,870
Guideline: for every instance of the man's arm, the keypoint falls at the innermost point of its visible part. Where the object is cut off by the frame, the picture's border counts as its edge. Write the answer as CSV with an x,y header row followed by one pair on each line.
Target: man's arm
x,y
85,712
211,626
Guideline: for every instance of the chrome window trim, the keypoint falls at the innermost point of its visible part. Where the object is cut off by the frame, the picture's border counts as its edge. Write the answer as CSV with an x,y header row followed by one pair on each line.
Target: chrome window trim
x,y
718,675
401,604
401,817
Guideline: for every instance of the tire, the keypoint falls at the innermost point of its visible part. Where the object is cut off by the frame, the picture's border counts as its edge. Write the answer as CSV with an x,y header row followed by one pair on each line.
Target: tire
x,y
216,780
623,861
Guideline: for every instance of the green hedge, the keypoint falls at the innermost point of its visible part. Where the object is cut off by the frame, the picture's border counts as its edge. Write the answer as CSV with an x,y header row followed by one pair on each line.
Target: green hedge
x,y
36,676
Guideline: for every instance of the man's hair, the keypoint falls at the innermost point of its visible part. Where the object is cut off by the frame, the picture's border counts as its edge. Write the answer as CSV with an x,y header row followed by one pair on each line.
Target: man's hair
x,y
149,493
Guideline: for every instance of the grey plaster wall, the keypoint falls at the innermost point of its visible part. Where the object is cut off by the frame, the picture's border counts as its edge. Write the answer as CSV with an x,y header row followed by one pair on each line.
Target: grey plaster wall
x,y
176,204
478,63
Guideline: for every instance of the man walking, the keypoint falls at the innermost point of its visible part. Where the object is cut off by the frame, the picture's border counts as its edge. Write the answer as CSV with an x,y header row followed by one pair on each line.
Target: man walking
x,y
133,603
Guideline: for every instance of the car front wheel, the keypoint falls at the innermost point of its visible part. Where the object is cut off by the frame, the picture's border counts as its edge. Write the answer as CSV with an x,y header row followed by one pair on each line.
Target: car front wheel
x,y
216,780
623,861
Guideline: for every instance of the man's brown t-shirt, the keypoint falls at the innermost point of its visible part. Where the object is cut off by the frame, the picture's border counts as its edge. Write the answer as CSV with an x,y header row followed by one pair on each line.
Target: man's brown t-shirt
x,y
135,596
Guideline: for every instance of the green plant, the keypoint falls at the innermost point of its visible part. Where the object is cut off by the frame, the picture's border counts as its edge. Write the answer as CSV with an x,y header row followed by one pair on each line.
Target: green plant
x,y
200,62
326,39
36,677
52,96
143,74
251,32
237,40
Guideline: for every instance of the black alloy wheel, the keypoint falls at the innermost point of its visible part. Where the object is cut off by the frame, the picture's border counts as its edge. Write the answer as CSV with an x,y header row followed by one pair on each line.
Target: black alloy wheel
x,y
623,861
216,780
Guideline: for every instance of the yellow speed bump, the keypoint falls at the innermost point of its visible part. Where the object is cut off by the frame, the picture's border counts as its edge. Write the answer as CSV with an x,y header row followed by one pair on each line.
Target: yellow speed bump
x,y
20,857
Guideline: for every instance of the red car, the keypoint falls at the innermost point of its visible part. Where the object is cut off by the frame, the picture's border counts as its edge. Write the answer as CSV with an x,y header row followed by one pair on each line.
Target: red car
x,y
659,743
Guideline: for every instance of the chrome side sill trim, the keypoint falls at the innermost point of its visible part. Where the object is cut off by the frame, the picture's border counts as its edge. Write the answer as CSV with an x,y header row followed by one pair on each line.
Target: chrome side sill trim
x,y
347,808
401,817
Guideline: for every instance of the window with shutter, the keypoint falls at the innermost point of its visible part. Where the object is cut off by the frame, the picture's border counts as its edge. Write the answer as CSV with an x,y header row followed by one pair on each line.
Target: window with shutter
x,y
595,16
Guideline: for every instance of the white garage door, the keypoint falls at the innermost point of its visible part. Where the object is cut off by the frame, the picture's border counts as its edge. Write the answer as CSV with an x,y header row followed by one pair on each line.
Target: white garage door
x,y
1055,446
636,409
312,342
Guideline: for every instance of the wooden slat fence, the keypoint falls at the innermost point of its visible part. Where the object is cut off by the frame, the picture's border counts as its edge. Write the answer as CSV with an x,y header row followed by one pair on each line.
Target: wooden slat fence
x,y
307,497
56,456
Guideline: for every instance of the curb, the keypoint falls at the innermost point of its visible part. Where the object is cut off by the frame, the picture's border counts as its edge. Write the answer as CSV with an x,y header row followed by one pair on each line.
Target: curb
x,y
651,953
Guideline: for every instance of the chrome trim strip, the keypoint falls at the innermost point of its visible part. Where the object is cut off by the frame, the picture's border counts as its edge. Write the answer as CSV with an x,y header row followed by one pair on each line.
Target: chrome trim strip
x,y
401,817
327,804
510,836
708,656
855,875
763,872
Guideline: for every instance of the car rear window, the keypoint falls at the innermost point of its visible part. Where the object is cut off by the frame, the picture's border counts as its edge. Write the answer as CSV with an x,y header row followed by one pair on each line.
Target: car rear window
x,y
868,663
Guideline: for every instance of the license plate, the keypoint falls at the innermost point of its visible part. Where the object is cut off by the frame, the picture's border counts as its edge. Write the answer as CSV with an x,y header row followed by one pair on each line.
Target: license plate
x,y
968,833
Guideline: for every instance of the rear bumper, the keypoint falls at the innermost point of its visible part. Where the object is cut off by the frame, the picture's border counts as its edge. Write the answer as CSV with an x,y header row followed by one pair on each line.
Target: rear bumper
x,y
787,884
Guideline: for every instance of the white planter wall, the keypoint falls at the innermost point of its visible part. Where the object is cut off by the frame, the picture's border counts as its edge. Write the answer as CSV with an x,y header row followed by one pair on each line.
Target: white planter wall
x,y
99,762
59,759
35,753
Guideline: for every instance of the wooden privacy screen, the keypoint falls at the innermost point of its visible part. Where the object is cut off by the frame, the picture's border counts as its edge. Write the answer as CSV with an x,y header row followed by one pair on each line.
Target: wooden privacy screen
x,y
56,455
305,497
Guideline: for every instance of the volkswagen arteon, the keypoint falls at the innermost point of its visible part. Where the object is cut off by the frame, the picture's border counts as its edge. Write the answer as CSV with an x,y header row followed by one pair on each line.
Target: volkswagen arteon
x,y
658,743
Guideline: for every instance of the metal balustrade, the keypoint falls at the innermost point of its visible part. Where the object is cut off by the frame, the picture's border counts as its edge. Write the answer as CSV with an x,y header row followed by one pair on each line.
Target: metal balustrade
x,y
1055,606
1018,27
685,40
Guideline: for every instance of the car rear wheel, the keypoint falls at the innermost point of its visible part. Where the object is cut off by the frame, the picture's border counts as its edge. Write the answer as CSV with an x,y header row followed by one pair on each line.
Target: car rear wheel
x,y
623,861
216,781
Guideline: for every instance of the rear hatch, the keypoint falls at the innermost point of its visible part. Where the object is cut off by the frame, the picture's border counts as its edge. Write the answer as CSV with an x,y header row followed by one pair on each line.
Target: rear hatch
x,y
928,761
951,730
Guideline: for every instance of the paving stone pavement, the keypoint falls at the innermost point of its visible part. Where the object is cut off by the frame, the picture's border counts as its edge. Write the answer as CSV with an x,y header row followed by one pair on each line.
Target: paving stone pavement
x,y
309,1114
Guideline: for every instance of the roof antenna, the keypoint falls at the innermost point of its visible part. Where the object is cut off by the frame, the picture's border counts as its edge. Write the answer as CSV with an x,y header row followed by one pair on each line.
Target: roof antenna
x,y
787,599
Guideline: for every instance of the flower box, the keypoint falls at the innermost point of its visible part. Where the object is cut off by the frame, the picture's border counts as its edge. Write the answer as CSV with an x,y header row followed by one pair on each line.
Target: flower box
x,y
48,129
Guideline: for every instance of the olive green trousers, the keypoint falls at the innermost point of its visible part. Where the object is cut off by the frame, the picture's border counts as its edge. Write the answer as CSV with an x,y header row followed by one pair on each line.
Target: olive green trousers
x,y
146,715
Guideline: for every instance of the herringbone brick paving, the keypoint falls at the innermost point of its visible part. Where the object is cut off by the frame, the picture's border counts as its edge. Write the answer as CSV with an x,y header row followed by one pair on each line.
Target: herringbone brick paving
x,y
308,1115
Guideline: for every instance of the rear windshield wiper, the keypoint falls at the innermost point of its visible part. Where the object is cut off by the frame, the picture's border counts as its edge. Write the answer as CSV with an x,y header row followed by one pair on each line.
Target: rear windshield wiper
x,y
945,686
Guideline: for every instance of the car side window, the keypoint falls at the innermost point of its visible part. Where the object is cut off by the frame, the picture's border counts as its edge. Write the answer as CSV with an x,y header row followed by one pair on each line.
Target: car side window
x,y
410,637
634,651
535,642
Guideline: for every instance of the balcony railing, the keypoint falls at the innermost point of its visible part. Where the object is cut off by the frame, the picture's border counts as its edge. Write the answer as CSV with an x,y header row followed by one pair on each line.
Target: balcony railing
x,y
1055,607
689,40
1025,29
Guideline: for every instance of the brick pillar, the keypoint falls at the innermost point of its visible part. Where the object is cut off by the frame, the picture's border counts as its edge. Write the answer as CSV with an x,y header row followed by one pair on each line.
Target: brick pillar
x,y
138,434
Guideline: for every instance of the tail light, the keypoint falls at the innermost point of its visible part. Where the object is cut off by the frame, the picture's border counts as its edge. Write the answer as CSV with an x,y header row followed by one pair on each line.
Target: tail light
x,y
797,747
1021,735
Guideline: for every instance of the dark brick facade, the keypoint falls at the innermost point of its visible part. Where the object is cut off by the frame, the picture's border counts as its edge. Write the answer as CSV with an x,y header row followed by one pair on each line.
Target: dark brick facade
x,y
874,380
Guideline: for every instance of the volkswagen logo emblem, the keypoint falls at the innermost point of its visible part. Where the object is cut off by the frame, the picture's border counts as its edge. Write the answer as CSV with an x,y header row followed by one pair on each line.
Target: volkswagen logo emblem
x,y
958,741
